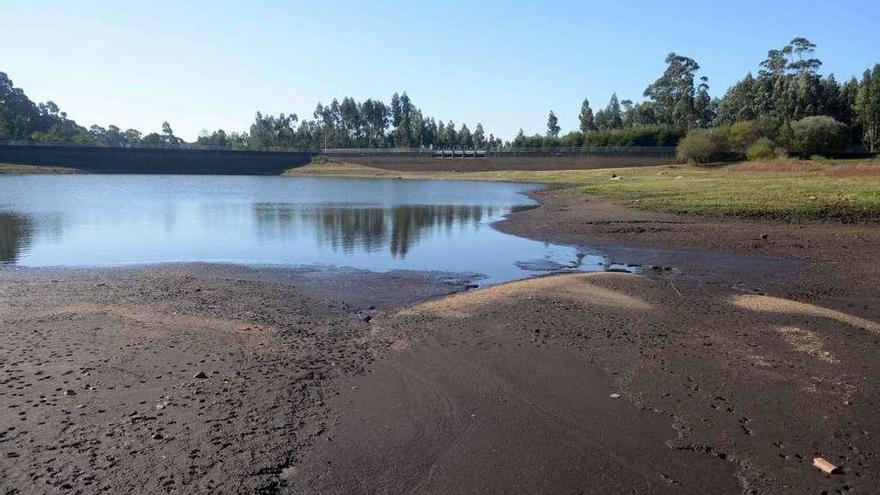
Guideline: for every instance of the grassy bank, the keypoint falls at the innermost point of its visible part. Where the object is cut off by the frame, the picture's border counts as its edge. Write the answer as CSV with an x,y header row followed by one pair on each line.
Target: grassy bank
x,y
842,190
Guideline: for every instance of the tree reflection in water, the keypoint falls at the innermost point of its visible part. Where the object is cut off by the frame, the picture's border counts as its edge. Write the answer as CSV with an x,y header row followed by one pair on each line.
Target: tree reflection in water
x,y
369,229
16,232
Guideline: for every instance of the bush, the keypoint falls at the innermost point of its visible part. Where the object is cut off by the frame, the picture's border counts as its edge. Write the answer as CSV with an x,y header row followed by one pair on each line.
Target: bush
x,y
701,146
761,149
819,135
741,135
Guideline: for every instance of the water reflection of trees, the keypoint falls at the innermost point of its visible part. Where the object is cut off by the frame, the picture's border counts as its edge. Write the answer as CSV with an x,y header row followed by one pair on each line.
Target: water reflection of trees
x,y
16,232
366,228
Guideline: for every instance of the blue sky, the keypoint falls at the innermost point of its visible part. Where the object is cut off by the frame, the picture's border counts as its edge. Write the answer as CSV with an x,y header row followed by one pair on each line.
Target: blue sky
x,y
208,65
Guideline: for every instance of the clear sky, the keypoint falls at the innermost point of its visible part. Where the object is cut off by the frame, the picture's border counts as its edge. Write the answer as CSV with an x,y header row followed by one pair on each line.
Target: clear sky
x,y
209,65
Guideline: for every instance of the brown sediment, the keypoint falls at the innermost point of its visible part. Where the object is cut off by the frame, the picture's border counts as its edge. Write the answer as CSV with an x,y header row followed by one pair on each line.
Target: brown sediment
x,y
18,169
745,350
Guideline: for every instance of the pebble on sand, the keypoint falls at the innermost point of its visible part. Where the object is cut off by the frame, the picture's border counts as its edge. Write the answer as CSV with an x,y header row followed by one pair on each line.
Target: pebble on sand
x,y
614,396
200,375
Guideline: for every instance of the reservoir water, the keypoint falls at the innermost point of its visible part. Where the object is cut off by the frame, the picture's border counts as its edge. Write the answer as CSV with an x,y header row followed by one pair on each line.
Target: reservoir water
x,y
373,224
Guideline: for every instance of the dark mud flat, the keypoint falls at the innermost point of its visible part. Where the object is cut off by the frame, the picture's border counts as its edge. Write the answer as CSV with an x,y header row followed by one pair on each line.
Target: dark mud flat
x,y
749,352
177,379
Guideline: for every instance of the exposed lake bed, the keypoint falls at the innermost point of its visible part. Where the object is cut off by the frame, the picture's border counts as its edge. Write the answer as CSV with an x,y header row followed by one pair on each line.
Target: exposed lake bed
x,y
328,379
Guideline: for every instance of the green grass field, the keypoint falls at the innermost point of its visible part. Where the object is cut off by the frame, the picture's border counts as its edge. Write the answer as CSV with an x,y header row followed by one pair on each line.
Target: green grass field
x,y
842,190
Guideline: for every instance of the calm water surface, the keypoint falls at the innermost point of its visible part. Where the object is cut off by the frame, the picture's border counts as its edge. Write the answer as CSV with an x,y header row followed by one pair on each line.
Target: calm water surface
x,y
374,224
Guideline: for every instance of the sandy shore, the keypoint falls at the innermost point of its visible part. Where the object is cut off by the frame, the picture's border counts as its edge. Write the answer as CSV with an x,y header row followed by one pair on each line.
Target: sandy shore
x,y
748,350
16,169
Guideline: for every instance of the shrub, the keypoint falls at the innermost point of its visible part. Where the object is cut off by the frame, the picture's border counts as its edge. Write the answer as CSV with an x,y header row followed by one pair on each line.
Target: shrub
x,y
741,135
761,149
701,146
819,135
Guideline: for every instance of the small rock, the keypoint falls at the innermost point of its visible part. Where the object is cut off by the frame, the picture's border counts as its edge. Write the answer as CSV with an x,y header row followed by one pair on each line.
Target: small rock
x,y
289,472
614,396
764,235
200,375
825,466
157,436
69,392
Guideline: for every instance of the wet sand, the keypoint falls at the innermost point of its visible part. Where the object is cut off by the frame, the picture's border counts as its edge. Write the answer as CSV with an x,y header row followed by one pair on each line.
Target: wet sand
x,y
14,168
743,350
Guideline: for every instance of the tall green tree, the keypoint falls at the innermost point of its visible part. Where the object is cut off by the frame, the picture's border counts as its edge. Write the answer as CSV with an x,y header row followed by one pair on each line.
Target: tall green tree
x,y
629,115
465,138
479,136
613,113
552,125
673,93
405,129
867,108
704,106
587,122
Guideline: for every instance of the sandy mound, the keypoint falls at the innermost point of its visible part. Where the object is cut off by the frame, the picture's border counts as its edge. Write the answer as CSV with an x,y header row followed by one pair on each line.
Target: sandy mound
x,y
582,288
787,306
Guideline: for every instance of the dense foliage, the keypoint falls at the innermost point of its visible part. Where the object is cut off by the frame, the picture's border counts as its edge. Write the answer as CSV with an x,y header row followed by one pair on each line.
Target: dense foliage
x,y
773,112
769,109
349,124
352,124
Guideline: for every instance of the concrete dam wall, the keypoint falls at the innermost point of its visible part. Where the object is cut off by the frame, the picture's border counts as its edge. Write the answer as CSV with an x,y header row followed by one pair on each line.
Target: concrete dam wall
x,y
234,162
155,160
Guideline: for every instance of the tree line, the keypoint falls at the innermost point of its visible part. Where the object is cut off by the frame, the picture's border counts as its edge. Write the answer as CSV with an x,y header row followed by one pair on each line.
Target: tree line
x,y
346,124
353,124
676,107
788,104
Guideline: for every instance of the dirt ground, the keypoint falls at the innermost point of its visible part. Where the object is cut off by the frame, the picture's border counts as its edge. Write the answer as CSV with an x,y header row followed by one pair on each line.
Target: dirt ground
x,y
741,351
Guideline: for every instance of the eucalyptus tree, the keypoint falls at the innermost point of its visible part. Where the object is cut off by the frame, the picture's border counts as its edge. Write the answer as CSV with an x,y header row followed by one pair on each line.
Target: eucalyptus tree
x,y
587,122
405,129
867,108
629,116
451,135
673,93
465,138
602,121
479,137
613,113
705,108
552,125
